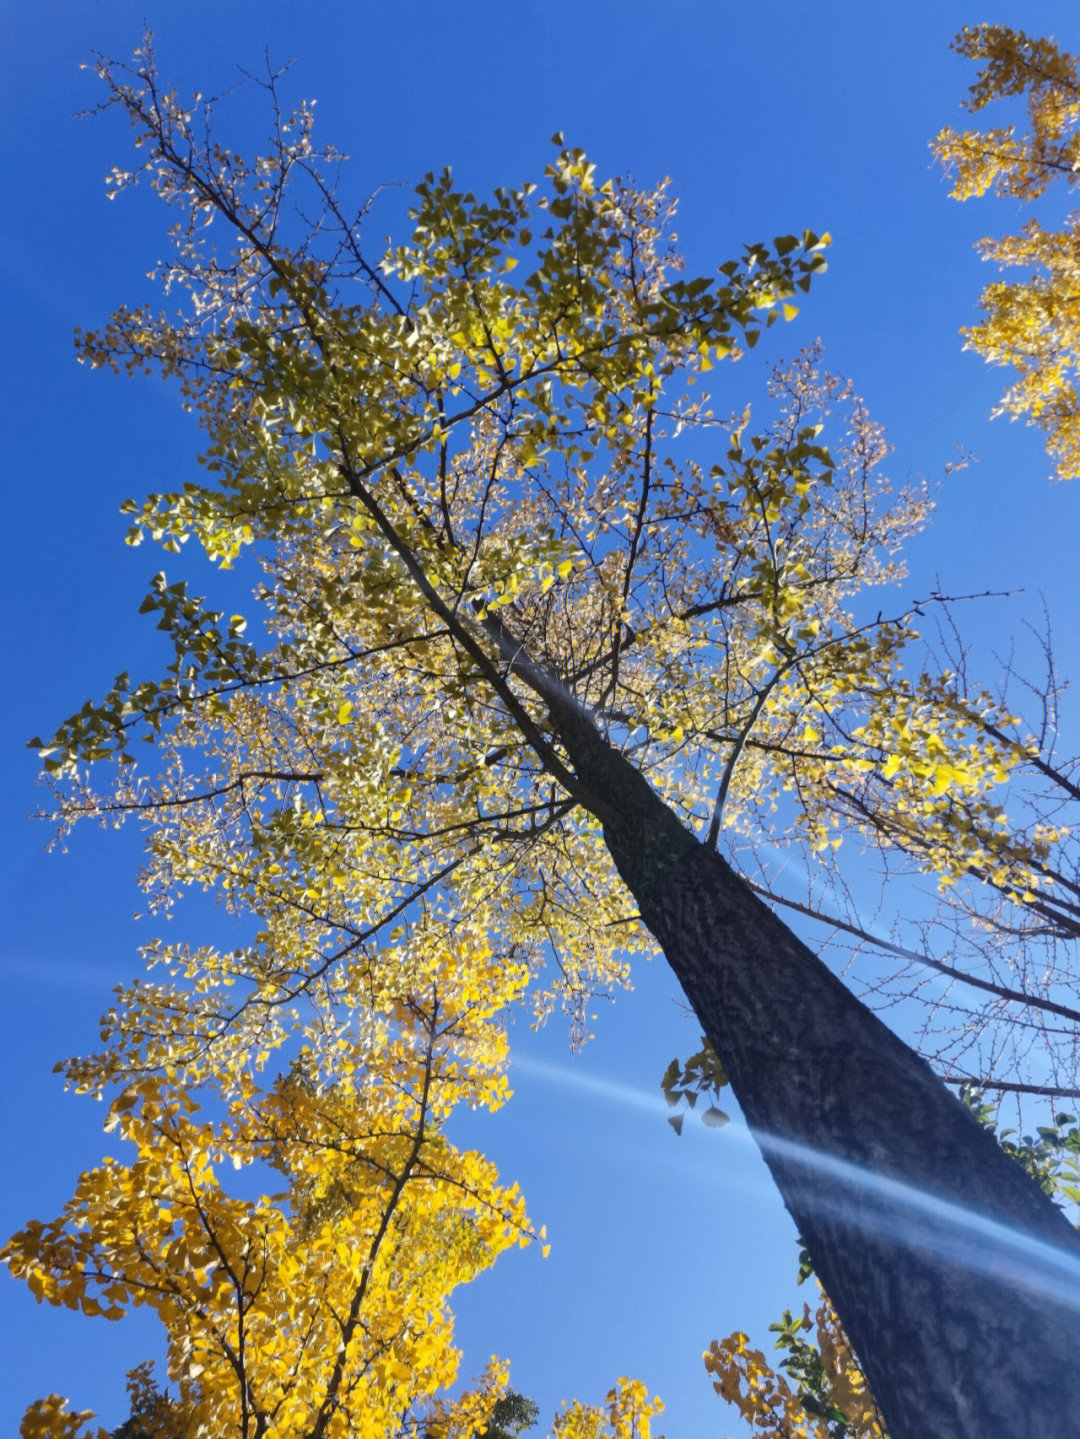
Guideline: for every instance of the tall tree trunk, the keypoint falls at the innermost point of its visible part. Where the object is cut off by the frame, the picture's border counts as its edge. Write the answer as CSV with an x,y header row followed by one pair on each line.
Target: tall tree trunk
x,y
956,1279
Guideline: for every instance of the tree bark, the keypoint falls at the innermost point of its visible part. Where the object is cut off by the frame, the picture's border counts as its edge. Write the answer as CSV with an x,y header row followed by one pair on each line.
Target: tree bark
x,y
956,1278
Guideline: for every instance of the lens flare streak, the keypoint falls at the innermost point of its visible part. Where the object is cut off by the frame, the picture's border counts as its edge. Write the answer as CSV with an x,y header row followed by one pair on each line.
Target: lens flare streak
x,y
961,1236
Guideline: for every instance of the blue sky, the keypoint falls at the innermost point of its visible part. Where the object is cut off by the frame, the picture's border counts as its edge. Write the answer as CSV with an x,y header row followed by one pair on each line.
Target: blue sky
x,y
768,118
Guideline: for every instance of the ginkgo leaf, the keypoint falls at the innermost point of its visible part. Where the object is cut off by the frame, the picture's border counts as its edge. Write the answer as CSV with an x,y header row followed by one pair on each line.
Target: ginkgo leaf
x,y
715,1118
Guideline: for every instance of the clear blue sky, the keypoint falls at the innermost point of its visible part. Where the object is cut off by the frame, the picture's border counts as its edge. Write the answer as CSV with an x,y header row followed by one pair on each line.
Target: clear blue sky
x,y
769,118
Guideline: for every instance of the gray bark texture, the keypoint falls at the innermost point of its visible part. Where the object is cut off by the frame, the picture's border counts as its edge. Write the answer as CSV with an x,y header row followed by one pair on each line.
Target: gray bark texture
x,y
957,1280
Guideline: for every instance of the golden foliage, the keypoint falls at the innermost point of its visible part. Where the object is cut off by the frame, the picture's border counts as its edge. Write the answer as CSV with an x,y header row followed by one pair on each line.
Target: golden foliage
x,y
50,1418
320,1308
627,1415
1032,324
830,1388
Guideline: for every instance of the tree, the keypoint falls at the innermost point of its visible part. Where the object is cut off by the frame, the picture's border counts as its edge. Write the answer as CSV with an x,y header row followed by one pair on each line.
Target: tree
x,y
512,1415
1031,324
319,1310
516,634
153,1414
830,1398
628,1415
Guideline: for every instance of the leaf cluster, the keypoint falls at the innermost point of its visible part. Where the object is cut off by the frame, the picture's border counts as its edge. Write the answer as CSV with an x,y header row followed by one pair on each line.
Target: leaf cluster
x,y
1030,324
701,1074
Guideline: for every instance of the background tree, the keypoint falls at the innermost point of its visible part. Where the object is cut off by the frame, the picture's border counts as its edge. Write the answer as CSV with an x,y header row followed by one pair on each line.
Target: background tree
x,y
1031,324
154,1415
458,488
512,1415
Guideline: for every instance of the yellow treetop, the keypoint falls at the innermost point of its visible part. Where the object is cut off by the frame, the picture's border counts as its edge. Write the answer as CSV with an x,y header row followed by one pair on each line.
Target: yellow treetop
x,y
1032,324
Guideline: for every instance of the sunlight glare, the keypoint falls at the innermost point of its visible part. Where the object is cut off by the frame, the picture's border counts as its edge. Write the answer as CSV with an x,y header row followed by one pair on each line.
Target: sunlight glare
x,y
952,1232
